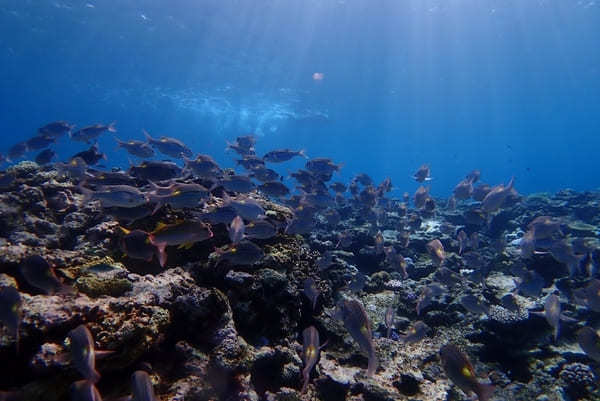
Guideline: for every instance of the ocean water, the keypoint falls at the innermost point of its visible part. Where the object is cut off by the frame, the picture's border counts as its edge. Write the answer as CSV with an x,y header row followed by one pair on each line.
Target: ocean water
x,y
509,87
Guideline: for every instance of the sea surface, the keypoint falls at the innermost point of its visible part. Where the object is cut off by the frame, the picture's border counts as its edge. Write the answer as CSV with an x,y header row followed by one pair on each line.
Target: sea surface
x,y
509,87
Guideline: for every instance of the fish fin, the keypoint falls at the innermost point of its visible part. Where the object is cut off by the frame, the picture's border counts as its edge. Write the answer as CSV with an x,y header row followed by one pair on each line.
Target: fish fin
x,y
306,377
567,319
540,314
510,184
186,245
159,226
484,391
162,254
303,153
124,230
95,376
156,209
100,354
147,136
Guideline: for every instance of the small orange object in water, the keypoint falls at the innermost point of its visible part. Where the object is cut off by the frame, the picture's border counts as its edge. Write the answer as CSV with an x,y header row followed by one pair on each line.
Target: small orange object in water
x,y
318,76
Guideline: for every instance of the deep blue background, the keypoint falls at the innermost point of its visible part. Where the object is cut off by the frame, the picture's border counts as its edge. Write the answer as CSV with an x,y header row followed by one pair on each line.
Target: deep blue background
x,y
510,87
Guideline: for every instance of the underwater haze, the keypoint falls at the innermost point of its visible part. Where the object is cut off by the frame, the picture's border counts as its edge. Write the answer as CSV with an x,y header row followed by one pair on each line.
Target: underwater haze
x,y
294,200
508,87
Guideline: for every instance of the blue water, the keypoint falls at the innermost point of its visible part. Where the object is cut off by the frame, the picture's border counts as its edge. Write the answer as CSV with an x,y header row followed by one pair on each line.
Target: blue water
x,y
509,87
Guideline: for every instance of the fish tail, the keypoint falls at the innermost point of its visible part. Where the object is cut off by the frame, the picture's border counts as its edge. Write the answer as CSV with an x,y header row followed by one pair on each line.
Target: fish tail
x,y
305,376
159,204
372,367
510,183
303,154
388,333
112,127
160,246
484,391
94,376
162,256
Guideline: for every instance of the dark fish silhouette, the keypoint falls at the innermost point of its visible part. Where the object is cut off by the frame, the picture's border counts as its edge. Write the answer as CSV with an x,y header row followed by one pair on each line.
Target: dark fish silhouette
x,y
379,243
463,190
128,215
92,155
496,197
552,314
153,170
87,134
169,146
177,195
260,229
38,272
45,156
246,208
589,341
39,142
389,320
236,230
310,353
55,129
264,174
282,155
114,196
436,251
243,253
459,369
16,151
141,387
137,148
415,333
74,168
543,227
274,189
422,174
421,196
220,215
237,183
355,319
589,295
83,354
184,233
203,166
427,295
136,245
474,305
251,162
